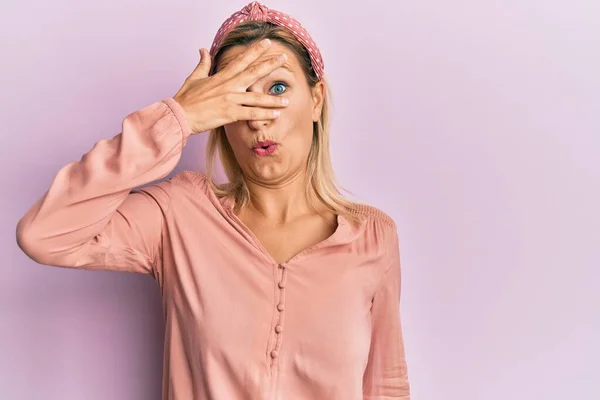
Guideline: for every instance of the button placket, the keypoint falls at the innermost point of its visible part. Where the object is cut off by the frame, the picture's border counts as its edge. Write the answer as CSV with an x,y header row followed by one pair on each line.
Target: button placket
x,y
280,308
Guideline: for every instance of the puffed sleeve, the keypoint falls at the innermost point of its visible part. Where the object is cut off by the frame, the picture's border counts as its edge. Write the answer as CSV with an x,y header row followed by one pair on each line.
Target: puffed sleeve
x,y
91,217
386,375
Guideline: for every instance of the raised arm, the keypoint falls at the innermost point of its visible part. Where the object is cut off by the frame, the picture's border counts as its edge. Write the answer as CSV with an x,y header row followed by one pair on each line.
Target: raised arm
x,y
90,217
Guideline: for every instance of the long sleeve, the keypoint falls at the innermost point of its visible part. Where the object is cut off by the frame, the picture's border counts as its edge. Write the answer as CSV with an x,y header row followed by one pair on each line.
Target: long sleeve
x,y
91,217
386,375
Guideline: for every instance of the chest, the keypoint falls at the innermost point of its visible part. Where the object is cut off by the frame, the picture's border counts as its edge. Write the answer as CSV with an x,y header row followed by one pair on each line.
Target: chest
x,y
240,306
318,305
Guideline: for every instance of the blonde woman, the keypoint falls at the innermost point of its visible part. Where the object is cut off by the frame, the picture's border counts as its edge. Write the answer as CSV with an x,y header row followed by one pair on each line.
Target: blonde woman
x,y
274,286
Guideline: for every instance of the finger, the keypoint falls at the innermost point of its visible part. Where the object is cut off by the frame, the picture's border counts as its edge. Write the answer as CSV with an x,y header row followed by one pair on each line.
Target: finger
x,y
256,99
203,67
256,71
243,60
254,113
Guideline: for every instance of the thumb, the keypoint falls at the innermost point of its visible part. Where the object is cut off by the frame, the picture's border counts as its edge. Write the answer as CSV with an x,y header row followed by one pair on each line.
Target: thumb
x,y
203,67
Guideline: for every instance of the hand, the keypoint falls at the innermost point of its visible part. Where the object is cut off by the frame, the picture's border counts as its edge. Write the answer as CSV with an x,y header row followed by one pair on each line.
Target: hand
x,y
220,99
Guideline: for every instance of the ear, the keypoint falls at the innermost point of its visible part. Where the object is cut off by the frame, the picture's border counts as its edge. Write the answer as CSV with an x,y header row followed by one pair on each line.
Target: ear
x,y
318,96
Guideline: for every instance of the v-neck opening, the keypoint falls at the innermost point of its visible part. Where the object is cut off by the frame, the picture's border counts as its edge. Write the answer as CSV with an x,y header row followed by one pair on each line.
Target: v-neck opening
x,y
228,203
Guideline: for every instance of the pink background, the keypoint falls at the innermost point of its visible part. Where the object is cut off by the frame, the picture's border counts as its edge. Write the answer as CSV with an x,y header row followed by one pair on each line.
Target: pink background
x,y
475,124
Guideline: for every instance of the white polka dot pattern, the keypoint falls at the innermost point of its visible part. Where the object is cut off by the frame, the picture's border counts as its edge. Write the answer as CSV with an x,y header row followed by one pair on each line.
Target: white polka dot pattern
x,y
256,11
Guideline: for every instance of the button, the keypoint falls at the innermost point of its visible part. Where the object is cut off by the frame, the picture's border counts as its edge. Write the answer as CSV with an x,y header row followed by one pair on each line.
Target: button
x,y
274,354
281,285
282,266
280,306
278,328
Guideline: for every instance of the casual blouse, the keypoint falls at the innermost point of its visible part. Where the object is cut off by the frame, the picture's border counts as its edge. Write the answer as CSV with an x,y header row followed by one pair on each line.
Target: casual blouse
x,y
324,325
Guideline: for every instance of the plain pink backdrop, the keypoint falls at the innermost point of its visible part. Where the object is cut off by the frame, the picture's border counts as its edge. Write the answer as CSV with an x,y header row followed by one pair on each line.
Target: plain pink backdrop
x,y
475,124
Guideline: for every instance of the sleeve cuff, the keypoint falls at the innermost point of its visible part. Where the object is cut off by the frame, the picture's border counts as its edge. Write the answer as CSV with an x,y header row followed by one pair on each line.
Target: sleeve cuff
x,y
179,113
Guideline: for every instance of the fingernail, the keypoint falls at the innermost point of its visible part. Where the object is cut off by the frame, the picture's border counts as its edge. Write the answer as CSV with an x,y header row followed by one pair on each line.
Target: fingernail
x,y
276,113
265,42
282,57
285,101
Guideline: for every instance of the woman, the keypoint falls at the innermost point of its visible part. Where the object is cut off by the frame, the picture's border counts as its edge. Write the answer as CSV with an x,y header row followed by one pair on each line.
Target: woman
x,y
273,285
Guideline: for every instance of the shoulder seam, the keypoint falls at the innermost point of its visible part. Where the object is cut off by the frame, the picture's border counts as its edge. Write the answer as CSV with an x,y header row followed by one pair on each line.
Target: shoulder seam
x,y
373,212
196,179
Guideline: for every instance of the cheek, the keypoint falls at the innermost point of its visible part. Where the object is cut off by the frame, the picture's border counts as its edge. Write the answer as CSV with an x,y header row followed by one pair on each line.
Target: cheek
x,y
297,118
298,143
234,138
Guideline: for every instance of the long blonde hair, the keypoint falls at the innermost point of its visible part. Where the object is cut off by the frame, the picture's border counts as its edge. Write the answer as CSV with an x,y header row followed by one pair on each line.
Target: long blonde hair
x,y
323,186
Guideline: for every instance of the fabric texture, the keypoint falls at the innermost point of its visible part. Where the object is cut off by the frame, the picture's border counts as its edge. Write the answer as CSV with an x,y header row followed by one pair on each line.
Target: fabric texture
x,y
256,11
323,326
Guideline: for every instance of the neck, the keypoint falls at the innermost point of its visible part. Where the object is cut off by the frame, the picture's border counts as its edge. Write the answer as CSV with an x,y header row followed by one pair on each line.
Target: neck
x,y
280,203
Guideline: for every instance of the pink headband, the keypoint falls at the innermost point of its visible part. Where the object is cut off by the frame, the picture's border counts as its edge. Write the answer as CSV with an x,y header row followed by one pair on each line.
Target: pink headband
x,y
256,11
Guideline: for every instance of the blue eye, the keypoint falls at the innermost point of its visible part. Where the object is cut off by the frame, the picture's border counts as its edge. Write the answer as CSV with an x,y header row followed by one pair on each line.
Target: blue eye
x,y
279,87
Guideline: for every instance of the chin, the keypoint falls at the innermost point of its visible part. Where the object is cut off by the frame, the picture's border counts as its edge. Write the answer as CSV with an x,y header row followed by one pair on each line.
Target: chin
x,y
267,173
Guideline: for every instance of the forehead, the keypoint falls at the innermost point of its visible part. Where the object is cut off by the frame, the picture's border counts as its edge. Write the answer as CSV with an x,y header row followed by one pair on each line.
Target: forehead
x,y
275,49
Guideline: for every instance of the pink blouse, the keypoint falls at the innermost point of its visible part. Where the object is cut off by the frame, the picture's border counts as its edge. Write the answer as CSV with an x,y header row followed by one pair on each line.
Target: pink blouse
x,y
325,325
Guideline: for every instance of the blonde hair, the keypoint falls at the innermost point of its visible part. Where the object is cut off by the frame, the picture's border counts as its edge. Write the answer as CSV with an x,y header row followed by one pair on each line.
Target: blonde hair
x,y
323,187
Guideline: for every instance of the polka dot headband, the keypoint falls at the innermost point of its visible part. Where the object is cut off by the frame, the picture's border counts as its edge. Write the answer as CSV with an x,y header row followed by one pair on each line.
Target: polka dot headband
x,y
256,11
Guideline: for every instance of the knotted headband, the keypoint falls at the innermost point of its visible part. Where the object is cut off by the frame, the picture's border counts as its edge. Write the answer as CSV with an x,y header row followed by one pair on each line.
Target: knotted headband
x,y
256,11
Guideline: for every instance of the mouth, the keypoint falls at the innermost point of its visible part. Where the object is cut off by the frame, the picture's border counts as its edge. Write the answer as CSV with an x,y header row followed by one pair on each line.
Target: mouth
x,y
265,148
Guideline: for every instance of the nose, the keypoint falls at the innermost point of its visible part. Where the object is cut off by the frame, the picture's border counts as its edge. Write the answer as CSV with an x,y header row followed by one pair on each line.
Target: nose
x,y
257,124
